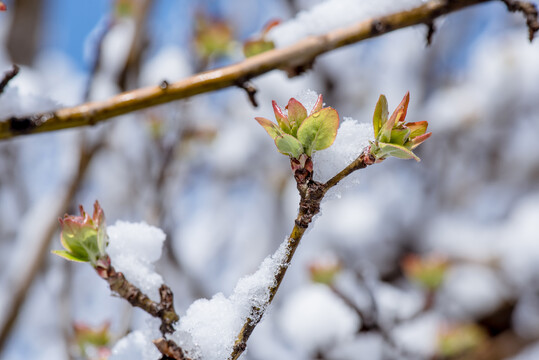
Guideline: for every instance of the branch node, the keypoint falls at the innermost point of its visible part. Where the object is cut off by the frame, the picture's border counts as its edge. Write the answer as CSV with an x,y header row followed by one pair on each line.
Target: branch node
x,y
378,27
25,125
250,89
170,349
164,310
431,29
164,85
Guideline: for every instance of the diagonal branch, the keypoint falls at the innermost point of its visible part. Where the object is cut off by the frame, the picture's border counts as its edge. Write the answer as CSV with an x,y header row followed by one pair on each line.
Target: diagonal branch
x,y
295,56
164,310
312,193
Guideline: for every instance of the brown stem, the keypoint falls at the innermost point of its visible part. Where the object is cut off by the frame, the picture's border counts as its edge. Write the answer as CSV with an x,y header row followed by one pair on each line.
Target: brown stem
x,y
250,89
170,349
363,160
8,75
163,310
311,193
295,56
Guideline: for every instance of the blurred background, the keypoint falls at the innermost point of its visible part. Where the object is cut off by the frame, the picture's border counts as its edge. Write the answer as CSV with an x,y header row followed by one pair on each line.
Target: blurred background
x,y
431,260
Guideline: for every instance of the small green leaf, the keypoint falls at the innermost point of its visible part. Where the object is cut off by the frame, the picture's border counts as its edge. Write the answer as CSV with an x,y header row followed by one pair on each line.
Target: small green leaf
x,y
399,136
67,255
402,109
281,118
319,130
397,151
255,47
271,128
398,116
418,140
289,145
296,114
417,128
380,115
318,105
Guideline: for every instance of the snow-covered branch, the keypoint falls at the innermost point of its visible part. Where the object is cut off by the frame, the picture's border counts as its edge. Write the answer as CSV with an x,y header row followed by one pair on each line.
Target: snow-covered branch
x,y
312,193
292,59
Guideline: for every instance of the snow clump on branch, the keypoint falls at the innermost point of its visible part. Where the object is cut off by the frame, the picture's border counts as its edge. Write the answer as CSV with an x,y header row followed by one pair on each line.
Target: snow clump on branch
x,y
331,15
209,328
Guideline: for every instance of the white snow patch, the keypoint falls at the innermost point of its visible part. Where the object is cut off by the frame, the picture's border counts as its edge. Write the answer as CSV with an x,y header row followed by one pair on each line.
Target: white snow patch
x,y
133,248
420,335
396,304
471,291
307,98
333,14
530,353
116,46
525,318
15,102
136,345
351,139
370,345
314,318
169,64
210,327
519,249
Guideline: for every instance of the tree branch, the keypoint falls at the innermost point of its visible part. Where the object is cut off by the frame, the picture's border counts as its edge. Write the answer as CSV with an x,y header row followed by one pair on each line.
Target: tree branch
x,y
163,310
312,193
295,56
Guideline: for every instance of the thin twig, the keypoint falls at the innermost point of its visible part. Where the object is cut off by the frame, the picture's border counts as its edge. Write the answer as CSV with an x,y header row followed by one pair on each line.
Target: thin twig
x,y
163,310
170,349
8,75
250,89
294,56
431,29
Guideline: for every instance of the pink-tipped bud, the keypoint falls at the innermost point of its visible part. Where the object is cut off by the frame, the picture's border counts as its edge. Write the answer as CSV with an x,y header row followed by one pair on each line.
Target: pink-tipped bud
x,y
83,237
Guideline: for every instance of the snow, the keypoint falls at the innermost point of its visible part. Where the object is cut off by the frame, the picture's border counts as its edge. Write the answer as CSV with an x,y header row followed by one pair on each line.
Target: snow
x,y
314,318
209,328
369,345
519,249
352,138
529,353
525,317
135,345
170,64
473,197
14,102
116,46
133,248
420,335
396,304
333,14
470,291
